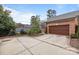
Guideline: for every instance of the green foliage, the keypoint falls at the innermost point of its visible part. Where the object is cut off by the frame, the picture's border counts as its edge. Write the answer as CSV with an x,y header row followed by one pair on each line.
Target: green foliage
x,y
4,32
33,31
18,33
6,22
11,33
35,22
51,13
76,35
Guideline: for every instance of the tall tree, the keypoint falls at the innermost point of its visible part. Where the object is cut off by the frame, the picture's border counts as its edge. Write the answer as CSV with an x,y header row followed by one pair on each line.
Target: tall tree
x,y
35,22
6,21
1,9
51,13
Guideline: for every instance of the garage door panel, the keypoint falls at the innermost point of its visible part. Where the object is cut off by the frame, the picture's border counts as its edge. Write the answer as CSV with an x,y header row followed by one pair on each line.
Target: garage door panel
x,y
59,29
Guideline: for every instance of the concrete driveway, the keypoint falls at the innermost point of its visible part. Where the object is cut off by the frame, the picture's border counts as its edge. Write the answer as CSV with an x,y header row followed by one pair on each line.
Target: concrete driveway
x,y
41,45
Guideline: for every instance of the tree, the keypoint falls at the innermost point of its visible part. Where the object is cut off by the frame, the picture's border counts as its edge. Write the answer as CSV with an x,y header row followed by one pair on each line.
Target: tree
x,y
6,22
51,13
35,22
1,9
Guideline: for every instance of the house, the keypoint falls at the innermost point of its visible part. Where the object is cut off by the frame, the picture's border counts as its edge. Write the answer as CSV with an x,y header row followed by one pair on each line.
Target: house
x,y
65,24
24,27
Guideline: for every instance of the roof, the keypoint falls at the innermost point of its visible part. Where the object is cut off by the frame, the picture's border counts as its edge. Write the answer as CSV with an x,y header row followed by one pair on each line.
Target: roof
x,y
64,16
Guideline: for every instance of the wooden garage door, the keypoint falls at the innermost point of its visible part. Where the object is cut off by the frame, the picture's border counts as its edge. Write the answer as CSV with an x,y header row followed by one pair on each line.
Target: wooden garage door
x,y
59,29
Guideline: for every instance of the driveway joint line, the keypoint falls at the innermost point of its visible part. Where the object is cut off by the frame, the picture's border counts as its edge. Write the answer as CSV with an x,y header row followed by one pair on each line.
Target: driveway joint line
x,y
34,45
56,45
24,46
28,49
39,42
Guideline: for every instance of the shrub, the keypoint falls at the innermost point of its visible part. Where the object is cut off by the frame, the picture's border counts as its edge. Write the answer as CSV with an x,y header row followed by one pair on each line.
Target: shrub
x,y
22,31
33,31
18,33
4,32
75,35
11,33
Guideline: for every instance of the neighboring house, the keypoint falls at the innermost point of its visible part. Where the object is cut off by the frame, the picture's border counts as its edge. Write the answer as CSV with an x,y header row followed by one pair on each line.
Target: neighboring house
x,y
24,27
64,24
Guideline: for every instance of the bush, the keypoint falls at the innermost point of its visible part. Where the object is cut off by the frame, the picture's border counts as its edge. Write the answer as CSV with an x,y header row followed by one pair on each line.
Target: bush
x,y
18,33
11,33
22,31
4,32
75,36
33,31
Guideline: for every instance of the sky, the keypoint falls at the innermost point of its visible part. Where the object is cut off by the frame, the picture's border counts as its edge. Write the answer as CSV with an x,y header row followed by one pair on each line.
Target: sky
x,y
22,13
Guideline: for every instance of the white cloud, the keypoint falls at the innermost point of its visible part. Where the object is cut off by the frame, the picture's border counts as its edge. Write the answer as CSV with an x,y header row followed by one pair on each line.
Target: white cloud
x,y
20,17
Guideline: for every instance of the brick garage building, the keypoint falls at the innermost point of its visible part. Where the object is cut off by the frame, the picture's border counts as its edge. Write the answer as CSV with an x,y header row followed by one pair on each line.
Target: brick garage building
x,y
64,24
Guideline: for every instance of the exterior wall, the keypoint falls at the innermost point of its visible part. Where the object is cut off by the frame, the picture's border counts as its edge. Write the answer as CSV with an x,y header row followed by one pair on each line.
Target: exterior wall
x,y
43,27
72,22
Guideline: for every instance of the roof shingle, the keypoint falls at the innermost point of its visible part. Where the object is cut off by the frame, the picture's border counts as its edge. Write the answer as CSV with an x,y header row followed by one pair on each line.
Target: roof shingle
x,y
64,16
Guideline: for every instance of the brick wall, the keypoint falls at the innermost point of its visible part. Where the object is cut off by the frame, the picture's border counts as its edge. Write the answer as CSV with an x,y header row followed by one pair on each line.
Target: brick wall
x,y
71,21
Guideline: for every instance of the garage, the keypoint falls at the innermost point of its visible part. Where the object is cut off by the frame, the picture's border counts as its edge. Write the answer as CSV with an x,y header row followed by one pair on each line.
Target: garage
x,y
64,24
59,29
